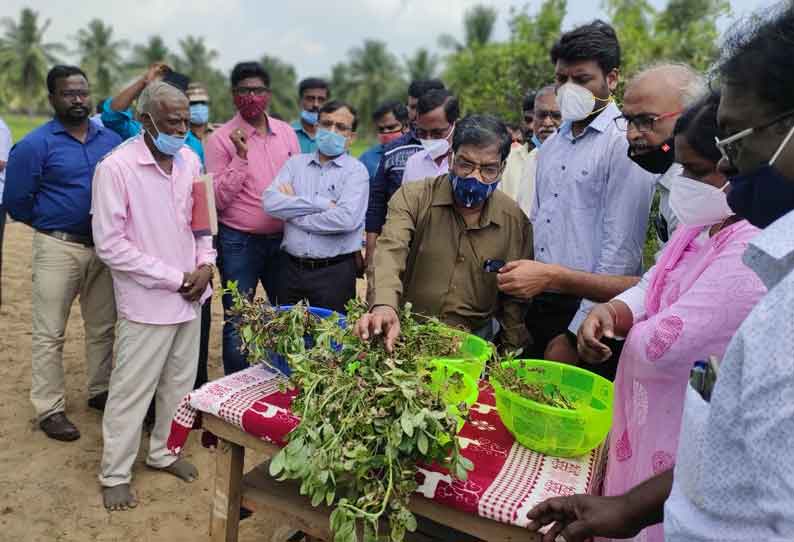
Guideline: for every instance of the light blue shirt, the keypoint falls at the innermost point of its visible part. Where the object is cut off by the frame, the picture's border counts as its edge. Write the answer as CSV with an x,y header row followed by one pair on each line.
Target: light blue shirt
x,y
591,205
734,474
5,147
325,217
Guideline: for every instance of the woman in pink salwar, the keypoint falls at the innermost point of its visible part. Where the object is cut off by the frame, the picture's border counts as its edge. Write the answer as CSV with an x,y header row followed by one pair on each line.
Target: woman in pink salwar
x,y
686,308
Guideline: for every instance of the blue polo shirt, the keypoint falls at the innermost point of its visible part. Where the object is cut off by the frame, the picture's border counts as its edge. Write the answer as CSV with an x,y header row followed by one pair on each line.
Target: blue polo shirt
x,y
371,159
123,123
306,142
49,173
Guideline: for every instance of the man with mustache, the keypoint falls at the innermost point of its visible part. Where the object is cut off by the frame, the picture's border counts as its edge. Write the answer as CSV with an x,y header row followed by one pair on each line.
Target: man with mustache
x,y
48,187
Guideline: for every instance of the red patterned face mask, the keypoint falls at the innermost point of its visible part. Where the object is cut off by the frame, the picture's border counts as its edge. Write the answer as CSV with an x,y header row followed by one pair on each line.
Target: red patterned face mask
x,y
251,106
389,137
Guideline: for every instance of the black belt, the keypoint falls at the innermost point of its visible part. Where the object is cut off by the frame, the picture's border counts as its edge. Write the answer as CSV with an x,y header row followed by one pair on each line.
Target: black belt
x,y
310,263
267,236
85,240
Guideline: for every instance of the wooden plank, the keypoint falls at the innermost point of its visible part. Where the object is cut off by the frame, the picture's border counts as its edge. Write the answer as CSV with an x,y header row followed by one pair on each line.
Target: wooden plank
x,y
225,511
224,430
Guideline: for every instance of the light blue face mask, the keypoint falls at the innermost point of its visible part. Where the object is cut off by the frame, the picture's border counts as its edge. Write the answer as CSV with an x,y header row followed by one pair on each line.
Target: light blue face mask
x,y
166,143
330,143
199,114
310,117
536,141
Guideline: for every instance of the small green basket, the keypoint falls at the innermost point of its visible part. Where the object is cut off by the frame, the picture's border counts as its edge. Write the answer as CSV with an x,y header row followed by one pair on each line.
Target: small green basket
x,y
466,393
557,431
474,353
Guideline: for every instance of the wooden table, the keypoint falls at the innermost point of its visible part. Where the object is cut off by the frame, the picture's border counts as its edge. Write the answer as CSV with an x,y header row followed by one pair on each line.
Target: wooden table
x,y
258,491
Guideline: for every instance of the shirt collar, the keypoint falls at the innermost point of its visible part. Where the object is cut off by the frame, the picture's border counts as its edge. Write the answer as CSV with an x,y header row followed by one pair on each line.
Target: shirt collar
x,y
56,127
339,161
239,122
666,178
442,197
771,254
145,156
599,124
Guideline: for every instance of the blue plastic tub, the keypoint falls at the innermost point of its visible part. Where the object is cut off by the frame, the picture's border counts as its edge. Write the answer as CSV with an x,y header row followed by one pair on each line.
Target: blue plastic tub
x,y
280,362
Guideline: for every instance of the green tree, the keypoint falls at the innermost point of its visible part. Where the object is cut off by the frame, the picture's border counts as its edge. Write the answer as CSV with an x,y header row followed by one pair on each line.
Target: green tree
x,y
195,59
478,25
422,65
284,85
144,55
373,75
493,78
99,56
24,60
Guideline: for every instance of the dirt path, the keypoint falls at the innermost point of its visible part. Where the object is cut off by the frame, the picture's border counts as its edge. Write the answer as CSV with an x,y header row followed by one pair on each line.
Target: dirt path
x,y
49,490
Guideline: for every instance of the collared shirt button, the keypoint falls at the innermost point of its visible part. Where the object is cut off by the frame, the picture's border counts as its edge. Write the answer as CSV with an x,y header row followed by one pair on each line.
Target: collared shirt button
x,y
556,195
548,221
461,259
563,168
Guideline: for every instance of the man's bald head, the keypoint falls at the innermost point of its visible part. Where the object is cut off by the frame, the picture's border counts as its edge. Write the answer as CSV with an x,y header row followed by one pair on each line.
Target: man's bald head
x,y
662,90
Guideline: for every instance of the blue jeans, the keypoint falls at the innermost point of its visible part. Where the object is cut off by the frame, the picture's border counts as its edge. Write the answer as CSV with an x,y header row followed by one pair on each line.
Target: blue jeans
x,y
249,259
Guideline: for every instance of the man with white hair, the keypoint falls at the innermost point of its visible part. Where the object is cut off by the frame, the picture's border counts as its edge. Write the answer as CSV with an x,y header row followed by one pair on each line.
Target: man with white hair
x,y
652,102
142,203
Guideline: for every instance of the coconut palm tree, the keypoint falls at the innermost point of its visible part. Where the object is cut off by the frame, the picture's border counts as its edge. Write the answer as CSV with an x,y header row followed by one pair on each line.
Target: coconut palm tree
x,y
478,25
375,75
195,59
24,60
100,56
422,65
284,85
144,55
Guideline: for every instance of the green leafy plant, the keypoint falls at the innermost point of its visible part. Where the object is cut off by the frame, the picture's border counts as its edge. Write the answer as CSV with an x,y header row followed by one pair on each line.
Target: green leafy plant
x,y
507,375
368,417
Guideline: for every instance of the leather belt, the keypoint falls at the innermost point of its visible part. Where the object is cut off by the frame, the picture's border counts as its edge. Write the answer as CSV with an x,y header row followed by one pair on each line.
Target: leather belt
x,y
310,263
85,240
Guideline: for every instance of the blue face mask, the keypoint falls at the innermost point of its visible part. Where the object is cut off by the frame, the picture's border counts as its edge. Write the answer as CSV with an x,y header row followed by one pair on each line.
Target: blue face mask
x,y
536,141
330,143
310,117
199,114
166,143
469,191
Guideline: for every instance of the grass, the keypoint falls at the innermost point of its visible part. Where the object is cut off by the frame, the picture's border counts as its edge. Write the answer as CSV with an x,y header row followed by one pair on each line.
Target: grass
x,y
20,125
359,146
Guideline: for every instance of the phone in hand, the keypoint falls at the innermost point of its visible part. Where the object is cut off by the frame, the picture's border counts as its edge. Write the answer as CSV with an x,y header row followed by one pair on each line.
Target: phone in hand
x,y
493,266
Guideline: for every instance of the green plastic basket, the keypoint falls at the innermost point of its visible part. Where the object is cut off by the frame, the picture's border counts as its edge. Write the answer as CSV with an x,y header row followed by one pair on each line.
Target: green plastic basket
x,y
551,430
466,393
474,353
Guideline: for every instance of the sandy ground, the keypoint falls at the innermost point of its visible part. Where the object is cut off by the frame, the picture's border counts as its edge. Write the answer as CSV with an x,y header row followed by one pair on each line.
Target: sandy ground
x,y
48,489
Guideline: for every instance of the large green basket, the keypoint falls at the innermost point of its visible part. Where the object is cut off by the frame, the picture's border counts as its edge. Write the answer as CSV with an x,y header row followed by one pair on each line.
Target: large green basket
x,y
551,430
474,353
466,392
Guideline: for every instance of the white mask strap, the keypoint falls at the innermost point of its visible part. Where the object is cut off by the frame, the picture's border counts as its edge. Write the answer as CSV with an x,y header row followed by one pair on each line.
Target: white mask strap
x,y
782,146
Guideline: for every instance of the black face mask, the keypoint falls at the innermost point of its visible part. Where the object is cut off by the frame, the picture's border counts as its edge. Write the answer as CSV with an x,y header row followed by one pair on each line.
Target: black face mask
x,y
657,160
761,196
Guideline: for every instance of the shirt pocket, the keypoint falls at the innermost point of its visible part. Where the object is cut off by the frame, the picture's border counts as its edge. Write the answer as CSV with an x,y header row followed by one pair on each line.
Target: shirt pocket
x,y
587,184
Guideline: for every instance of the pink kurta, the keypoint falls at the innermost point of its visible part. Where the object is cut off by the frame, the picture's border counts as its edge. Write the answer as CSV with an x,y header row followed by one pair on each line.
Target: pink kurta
x,y
699,293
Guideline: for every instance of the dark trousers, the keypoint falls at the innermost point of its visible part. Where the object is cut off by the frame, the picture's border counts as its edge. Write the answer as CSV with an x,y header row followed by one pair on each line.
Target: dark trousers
x,y
204,345
2,228
549,316
249,259
327,287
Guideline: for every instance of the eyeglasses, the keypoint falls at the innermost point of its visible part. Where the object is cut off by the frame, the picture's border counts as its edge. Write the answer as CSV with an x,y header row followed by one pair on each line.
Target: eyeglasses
x,y
72,94
438,133
643,122
389,129
729,147
488,172
256,91
544,114
329,125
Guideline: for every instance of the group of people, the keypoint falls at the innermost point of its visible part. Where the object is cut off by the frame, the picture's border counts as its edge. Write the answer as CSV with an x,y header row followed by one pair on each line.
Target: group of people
x,y
531,237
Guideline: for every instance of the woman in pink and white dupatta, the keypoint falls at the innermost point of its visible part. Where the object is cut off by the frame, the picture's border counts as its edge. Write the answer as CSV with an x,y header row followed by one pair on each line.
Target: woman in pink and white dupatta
x,y
686,308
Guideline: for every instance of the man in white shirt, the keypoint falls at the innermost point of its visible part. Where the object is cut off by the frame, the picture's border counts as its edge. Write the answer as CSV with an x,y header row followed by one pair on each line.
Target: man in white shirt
x,y
5,147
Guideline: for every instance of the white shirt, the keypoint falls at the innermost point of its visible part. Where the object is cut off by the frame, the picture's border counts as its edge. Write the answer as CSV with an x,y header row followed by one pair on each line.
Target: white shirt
x,y
5,147
734,477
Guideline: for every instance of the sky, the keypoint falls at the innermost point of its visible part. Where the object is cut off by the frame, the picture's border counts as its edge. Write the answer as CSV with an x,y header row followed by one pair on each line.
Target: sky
x,y
309,34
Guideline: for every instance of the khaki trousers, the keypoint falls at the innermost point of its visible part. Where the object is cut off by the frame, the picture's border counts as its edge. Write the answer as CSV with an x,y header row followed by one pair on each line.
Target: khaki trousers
x,y
61,272
151,361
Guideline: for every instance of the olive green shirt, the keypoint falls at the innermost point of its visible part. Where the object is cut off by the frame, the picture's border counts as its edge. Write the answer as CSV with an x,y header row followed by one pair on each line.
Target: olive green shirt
x,y
428,256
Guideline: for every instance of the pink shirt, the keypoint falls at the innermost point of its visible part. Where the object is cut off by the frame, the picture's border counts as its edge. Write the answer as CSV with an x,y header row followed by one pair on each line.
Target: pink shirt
x,y
421,165
239,183
141,226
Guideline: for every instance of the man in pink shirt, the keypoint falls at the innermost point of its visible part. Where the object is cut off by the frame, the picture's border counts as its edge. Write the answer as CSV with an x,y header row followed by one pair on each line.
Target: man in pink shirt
x,y
142,209
437,112
244,156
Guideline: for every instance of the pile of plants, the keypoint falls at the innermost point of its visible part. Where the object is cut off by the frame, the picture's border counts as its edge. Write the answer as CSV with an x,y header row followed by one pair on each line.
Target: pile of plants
x,y
508,376
368,417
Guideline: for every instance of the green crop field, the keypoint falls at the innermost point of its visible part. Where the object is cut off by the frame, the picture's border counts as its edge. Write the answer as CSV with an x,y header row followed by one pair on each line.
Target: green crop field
x,y
20,125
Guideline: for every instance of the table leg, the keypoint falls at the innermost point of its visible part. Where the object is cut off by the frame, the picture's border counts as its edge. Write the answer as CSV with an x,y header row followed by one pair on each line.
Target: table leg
x,y
225,511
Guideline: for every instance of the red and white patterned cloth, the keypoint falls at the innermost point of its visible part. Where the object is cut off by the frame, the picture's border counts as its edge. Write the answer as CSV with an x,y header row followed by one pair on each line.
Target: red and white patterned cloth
x,y
507,481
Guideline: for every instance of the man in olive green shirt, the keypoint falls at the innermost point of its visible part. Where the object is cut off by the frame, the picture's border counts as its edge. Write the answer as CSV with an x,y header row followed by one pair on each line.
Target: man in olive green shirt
x,y
439,233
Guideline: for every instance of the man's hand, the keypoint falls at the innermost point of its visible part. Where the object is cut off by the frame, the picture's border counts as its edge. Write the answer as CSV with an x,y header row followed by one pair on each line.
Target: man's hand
x,y
286,189
525,278
155,71
382,320
599,323
237,138
580,517
560,349
198,281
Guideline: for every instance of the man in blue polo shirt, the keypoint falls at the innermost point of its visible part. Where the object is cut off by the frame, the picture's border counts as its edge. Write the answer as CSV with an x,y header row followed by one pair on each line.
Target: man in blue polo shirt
x,y
312,95
48,187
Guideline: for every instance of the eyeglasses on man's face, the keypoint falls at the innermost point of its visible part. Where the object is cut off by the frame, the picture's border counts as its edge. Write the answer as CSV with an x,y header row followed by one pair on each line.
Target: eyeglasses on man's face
x,y
466,168
643,122
256,91
331,126
730,146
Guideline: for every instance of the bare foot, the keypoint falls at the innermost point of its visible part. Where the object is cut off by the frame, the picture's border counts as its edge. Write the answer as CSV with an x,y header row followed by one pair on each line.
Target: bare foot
x,y
118,497
182,469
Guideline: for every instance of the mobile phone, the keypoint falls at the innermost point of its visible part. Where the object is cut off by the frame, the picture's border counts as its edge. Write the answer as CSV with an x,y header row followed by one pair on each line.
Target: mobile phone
x,y
493,266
